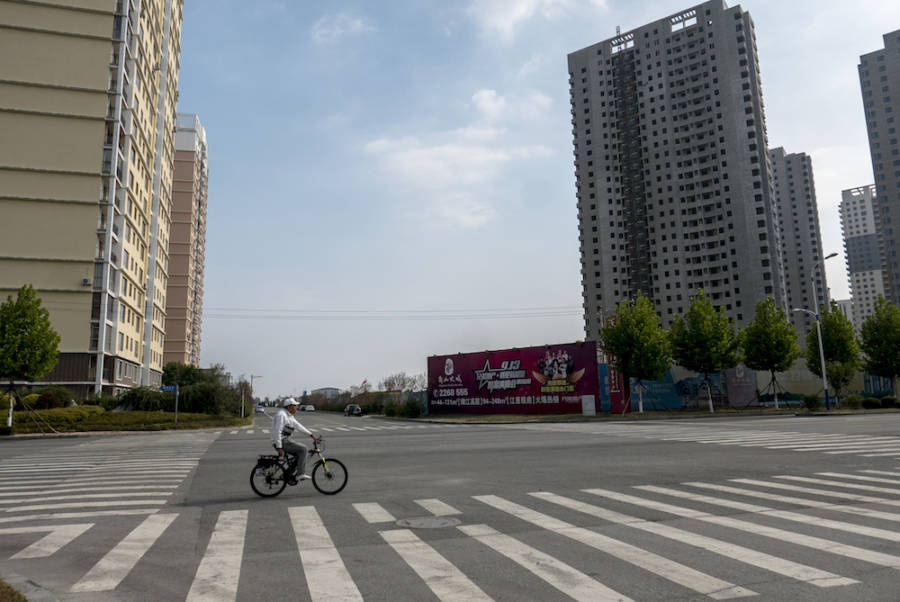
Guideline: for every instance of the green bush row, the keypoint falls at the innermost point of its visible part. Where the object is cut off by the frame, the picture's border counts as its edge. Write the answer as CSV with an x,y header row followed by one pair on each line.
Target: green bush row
x,y
95,418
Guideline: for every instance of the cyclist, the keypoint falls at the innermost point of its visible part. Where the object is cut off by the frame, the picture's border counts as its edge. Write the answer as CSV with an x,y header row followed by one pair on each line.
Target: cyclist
x,y
283,426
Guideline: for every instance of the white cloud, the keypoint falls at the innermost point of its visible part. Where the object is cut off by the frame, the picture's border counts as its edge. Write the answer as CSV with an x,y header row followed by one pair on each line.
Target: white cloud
x,y
331,27
494,107
503,16
454,174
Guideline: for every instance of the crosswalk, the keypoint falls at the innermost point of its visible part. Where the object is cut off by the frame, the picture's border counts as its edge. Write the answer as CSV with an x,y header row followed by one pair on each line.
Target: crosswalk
x,y
105,477
825,531
867,446
345,429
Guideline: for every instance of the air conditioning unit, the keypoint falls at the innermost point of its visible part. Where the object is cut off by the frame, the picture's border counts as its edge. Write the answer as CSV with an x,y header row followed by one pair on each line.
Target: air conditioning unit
x,y
85,282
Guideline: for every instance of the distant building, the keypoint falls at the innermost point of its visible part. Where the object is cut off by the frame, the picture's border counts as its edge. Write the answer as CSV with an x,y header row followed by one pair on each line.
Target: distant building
x,y
672,171
879,76
858,218
87,115
801,239
187,243
846,307
327,392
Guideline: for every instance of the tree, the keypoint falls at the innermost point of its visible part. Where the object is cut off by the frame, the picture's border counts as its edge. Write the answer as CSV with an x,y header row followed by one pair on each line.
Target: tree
x,y
839,345
29,346
705,340
636,343
880,341
182,375
399,382
769,342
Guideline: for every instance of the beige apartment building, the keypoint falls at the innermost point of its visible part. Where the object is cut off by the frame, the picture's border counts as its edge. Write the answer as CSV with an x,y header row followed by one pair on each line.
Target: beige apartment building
x,y
184,293
87,125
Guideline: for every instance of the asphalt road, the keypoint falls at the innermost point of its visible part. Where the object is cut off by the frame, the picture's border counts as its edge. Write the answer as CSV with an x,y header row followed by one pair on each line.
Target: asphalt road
x,y
780,508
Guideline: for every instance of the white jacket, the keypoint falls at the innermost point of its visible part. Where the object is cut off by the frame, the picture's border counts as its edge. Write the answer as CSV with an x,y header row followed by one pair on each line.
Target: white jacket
x,y
283,426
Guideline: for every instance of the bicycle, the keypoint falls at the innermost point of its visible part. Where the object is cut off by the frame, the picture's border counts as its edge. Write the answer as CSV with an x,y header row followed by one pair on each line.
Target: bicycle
x,y
273,473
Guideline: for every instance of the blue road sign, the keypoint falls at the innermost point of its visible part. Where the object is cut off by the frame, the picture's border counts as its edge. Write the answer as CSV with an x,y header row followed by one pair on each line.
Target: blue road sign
x,y
169,388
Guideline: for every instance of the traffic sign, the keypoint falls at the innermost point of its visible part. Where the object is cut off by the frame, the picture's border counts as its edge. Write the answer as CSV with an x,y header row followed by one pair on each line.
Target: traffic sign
x,y
169,388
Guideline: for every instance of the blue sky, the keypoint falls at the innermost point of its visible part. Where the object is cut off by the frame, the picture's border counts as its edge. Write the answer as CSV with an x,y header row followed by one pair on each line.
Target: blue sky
x,y
392,180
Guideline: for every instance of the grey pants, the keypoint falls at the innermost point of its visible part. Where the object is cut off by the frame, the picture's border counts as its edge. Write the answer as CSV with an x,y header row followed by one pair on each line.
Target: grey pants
x,y
299,451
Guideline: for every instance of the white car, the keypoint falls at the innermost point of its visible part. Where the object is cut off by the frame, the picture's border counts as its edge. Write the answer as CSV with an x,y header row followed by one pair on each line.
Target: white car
x,y
308,408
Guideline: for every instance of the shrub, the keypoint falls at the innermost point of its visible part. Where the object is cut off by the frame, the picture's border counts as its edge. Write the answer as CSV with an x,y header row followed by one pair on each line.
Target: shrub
x,y
390,408
411,409
871,403
889,401
853,401
811,402
144,399
52,397
104,400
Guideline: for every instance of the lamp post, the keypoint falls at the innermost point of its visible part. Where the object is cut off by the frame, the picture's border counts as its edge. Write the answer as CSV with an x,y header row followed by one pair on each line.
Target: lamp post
x,y
252,376
816,315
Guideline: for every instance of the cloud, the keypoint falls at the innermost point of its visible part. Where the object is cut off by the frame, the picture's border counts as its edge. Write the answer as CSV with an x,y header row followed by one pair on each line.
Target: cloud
x,y
331,27
494,107
503,16
458,172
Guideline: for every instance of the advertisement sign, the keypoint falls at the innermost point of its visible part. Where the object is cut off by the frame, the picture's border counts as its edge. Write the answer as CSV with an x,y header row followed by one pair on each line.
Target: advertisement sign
x,y
531,380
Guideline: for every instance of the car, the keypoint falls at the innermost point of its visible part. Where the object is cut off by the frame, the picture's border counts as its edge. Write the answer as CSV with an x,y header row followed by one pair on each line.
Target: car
x,y
352,410
308,408
259,410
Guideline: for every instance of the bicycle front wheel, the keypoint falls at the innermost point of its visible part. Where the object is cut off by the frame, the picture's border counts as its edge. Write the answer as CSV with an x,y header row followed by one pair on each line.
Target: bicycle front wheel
x,y
329,476
268,481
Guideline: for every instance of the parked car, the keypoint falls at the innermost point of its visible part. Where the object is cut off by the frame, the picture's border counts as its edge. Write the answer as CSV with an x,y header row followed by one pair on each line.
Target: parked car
x,y
259,410
352,410
308,408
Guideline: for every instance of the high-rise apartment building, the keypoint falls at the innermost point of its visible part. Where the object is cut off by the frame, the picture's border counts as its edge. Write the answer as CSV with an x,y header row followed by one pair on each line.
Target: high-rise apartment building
x,y
87,120
184,293
861,251
879,77
672,168
801,239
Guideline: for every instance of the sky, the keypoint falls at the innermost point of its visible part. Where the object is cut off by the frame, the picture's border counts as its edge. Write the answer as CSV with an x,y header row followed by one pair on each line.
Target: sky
x,y
394,180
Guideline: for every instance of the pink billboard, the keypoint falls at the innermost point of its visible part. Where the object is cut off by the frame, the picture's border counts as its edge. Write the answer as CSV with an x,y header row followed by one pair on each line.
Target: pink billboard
x,y
531,380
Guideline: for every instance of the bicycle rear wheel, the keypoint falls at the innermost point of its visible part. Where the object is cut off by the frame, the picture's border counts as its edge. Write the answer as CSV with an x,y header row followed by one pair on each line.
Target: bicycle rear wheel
x,y
268,481
329,476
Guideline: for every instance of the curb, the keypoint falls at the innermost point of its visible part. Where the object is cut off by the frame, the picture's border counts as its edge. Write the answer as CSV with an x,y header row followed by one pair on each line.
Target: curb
x,y
28,588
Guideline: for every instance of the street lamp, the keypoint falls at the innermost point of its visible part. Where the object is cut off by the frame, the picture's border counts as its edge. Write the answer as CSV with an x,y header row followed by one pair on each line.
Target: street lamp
x,y
819,330
252,376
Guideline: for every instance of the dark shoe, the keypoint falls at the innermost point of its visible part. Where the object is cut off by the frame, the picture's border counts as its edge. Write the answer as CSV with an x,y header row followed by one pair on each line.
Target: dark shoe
x,y
291,481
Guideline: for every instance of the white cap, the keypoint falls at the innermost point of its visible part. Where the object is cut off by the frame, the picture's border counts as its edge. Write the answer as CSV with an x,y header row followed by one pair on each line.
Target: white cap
x,y
290,401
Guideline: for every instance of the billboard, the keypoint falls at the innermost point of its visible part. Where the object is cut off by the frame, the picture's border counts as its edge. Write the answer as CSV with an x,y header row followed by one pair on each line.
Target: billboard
x,y
530,380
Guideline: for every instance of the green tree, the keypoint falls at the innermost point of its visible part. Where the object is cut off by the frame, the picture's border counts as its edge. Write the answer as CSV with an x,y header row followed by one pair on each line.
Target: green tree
x,y
636,343
705,340
880,341
839,345
769,342
28,344
182,375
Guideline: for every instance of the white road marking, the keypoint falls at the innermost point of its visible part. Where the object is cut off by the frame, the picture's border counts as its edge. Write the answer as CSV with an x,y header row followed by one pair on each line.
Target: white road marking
x,y
58,536
374,513
118,562
563,577
782,566
85,505
445,580
326,575
70,515
437,507
654,563
782,514
857,510
219,571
